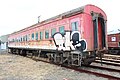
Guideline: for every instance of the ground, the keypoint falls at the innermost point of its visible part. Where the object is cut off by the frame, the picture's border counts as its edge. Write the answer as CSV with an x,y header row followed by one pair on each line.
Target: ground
x,y
15,67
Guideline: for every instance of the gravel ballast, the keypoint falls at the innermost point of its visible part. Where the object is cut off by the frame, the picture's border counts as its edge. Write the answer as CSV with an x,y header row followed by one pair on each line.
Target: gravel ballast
x,y
15,67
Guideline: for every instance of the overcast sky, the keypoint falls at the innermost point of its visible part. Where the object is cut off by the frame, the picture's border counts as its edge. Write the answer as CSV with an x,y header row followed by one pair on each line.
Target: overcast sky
x,y
18,14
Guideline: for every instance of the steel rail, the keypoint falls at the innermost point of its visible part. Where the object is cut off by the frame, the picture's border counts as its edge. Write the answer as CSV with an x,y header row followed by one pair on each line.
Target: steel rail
x,y
107,63
104,68
109,60
80,70
84,71
94,73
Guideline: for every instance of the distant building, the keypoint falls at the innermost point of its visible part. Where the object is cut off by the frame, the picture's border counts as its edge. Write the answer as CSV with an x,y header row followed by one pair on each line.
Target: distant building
x,y
4,42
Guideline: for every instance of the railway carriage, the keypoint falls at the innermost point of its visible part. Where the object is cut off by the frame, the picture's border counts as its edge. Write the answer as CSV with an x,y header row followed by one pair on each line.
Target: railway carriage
x,y
75,37
114,43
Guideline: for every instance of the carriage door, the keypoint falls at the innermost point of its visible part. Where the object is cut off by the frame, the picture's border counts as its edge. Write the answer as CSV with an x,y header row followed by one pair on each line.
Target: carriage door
x,y
99,32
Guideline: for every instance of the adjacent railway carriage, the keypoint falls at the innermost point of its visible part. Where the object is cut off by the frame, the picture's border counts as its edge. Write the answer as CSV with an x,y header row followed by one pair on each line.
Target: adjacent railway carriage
x,y
114,43
75,37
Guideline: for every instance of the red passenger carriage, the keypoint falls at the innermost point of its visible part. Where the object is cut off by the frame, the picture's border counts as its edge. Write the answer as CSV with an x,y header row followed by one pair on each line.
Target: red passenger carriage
x,y
75,37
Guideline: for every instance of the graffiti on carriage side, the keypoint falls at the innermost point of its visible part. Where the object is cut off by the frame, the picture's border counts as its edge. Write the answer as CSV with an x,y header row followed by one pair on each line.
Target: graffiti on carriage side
x,y
70,41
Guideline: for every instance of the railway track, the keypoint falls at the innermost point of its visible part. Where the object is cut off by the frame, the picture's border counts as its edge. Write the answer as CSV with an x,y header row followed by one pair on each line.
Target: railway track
x,y
108,61
95,73
79,69
104,68
110,56
110,77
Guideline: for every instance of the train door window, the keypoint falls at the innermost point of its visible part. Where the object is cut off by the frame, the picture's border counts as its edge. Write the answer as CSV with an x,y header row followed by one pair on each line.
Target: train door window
x,y
61,29
53,31
119,44
37,36
74,26
32,36
41,35
46,34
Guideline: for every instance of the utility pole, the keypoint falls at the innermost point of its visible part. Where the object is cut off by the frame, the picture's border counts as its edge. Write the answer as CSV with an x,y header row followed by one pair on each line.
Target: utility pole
x,y
38,19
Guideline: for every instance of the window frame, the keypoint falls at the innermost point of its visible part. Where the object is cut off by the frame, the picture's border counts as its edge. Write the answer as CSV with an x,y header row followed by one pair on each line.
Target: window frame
x,y
21,39
53,31
62,31
76,26
47,37
32,36
36,36
41,35
26,38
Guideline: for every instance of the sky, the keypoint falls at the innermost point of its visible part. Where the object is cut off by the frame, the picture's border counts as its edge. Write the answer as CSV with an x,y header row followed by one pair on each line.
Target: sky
x,y
18,14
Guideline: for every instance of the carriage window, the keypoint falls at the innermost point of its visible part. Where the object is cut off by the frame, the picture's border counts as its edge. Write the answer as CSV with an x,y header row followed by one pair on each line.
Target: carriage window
x,y
32,36
74,26
18,39
53,31
41,35
26,39
46,34
37,36
119,44
13,40
61,30
21,39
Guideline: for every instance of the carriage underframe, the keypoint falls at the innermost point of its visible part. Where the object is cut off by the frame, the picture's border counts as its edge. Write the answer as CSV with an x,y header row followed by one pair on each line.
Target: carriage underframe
x,y
71,58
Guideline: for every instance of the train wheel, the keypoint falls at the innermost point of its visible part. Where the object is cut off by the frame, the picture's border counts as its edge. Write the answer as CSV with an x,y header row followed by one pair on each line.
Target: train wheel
x,y
88,61
50,57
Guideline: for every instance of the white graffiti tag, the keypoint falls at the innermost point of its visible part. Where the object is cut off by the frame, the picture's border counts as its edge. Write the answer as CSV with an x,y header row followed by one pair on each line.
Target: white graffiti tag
x,y
70,41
